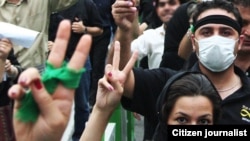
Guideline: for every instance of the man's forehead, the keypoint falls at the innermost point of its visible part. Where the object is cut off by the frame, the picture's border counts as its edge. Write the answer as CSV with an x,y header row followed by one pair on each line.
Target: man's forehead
x,y
217,19
216,26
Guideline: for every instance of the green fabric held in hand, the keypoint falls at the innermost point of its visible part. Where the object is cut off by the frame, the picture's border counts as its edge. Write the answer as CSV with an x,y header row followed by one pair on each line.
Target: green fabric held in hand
x,y
70,78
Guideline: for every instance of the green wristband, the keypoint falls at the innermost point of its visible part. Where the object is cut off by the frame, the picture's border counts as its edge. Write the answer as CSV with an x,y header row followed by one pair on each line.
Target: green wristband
x,y
29,110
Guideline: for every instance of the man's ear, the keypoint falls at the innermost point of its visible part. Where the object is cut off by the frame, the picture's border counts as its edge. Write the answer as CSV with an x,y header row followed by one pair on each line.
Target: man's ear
x,y
240,41
192,38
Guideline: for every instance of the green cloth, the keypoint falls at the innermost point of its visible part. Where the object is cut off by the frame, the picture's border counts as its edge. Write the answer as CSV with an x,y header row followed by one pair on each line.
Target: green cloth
x,y
70,78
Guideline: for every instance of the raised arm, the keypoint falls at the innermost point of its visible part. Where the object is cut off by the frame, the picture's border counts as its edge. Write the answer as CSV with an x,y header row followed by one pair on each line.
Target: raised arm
x,y
125,16
185,47
54,108
109,93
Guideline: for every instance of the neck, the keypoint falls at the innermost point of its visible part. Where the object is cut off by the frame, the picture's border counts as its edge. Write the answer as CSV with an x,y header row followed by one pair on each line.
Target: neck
x,y
243,61
226,82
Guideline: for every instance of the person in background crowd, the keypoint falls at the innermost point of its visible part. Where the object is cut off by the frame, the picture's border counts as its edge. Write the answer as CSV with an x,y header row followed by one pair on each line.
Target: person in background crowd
x,y
177,28
33,15
243,56
9,72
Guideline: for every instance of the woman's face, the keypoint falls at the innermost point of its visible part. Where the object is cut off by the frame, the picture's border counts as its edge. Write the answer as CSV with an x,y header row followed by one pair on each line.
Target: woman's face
x,y
191,110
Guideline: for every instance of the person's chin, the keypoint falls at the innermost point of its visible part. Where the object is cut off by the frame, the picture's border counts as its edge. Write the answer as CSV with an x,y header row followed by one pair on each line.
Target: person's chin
x,y
245,47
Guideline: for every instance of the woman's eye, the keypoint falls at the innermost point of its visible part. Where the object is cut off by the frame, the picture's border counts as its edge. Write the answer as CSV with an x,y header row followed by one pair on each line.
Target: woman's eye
x,y
204,122
181,120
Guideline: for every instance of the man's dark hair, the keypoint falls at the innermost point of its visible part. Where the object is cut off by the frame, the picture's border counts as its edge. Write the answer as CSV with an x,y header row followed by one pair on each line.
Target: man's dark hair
x,y
244,3
181,1
221,4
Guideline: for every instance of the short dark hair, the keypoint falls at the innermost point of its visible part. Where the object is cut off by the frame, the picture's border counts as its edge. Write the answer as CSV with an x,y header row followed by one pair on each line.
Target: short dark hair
x,y
244,3
222,4
181,1
191,84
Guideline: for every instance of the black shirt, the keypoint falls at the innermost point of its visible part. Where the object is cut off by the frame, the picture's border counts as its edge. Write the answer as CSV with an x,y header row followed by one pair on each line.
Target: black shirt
x,y
149,83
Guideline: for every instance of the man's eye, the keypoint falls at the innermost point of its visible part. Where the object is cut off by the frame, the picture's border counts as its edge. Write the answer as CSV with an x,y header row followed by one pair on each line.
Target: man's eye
x,y
226,33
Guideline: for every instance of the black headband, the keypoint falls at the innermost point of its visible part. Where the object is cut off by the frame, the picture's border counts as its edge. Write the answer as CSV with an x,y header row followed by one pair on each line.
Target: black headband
x,y
218,19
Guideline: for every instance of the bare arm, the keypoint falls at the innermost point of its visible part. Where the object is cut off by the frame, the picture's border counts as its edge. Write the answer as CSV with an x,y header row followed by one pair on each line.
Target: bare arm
x,y
109,93
185,47
125,16
79,27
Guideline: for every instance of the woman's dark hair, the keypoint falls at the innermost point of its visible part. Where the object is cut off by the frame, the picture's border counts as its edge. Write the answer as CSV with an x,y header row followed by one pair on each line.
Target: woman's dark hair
x,y
191,84
221,4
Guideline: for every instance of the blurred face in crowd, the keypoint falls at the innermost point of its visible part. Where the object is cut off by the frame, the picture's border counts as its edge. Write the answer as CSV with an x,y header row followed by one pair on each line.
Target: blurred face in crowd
x,y
245,14
166,8
191,110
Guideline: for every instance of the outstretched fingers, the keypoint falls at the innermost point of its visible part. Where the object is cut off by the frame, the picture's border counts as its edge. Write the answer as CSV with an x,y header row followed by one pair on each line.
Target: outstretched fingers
x,y
116,57
57,53
29,80
81,53
131,63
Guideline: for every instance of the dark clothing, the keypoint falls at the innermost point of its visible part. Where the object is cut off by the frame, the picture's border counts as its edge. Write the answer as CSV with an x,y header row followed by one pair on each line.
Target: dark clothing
x,y
145,9
5,85
177,28
99,48
149,84
6,104
104,7
98,55
86,11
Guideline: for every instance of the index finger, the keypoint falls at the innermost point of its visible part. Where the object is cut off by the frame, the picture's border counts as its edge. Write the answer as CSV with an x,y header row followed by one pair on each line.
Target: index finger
x,y
81,53
116,58
57,53
131,63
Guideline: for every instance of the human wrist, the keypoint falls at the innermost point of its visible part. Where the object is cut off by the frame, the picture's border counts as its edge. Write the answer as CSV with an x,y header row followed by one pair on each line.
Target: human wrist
x,y
85,30
13,71
104,112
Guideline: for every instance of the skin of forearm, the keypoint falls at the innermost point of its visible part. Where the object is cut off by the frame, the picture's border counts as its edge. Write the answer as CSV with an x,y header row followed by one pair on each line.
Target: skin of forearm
x,y
185,48
96,125
2,64
94,31
125,38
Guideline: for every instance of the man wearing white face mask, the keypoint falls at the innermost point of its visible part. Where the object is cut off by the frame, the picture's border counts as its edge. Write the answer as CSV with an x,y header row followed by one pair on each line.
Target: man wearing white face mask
x,y
216,39
216,47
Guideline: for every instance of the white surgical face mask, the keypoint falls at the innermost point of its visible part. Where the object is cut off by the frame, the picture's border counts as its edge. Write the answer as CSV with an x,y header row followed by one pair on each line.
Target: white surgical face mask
x,y
216,53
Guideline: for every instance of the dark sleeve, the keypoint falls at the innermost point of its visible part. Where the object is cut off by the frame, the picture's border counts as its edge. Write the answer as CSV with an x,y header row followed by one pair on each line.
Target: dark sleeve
x,y
15,62
176,29
148,85
55,19
94,17
146,6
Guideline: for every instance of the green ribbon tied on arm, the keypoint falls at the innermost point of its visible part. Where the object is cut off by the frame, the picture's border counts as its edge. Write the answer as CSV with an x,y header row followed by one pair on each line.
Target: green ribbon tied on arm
x,y
29,110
